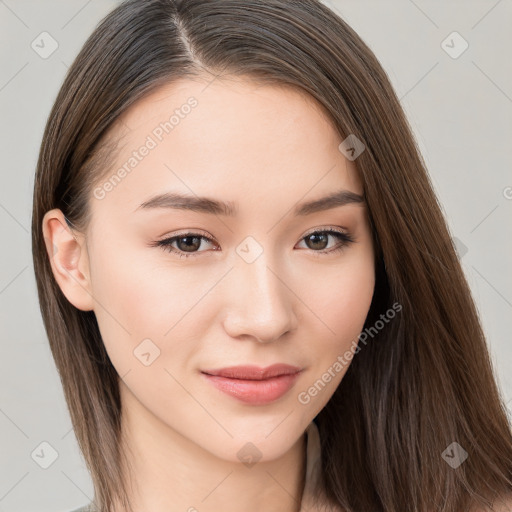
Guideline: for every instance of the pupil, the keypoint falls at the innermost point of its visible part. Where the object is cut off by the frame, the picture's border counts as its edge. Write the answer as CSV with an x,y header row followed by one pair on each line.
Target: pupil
x,y
316,237
189,244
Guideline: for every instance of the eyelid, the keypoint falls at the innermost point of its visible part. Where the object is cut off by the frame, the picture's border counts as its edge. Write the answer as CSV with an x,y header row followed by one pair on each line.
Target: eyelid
x,y
187,232
338,229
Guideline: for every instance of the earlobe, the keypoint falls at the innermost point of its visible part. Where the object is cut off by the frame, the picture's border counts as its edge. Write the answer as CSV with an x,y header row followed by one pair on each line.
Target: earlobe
x,y
69,259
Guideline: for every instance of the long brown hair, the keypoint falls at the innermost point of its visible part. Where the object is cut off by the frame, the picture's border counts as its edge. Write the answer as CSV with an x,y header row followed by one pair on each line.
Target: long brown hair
x,y
422,383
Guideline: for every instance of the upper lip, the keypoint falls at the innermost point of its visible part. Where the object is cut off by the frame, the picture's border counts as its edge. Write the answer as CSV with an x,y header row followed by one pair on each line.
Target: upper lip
x,y
254,372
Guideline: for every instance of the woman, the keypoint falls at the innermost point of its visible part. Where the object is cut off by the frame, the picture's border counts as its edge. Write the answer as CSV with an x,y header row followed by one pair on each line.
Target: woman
x,y
248,286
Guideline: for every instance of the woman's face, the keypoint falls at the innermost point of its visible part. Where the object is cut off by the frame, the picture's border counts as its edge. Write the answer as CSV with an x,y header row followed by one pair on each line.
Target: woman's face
x,y
258,289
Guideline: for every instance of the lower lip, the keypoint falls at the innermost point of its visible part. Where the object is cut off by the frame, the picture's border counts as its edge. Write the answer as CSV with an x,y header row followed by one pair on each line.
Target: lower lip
x,y
256,392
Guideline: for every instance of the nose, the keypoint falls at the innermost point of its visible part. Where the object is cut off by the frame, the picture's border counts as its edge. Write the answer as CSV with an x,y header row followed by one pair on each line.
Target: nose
x,y
261,305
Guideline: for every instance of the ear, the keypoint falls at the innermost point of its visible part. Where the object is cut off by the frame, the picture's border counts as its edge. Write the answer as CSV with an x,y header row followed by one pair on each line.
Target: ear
x,y
69,259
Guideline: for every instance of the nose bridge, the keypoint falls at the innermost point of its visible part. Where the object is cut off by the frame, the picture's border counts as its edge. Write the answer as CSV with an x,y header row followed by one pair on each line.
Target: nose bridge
x,y
261,305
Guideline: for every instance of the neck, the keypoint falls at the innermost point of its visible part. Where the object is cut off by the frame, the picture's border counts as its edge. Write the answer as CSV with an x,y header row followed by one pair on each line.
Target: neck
x,y
170,473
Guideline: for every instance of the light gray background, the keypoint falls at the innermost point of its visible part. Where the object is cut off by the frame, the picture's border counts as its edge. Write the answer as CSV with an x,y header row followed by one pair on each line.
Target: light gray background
x,y
459,108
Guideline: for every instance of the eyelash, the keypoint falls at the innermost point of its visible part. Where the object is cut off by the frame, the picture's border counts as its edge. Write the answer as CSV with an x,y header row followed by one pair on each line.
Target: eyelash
x,y
344,237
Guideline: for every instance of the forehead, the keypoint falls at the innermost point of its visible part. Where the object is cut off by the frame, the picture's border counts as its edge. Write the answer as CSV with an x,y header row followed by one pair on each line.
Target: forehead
x,y
227,93
233,139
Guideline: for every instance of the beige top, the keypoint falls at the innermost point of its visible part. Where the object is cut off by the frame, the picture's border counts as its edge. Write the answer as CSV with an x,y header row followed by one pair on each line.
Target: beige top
x,y
313,460
313,473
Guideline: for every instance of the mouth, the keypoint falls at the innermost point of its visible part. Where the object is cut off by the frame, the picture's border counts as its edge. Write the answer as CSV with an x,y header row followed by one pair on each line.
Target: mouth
x,y
249,372
252,384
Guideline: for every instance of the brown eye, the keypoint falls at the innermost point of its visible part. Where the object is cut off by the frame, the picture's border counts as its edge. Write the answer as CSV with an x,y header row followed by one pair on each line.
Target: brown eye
x,y
188,243
184,245
318,241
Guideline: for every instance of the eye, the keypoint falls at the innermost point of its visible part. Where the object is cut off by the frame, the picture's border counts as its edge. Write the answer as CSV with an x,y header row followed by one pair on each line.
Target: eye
x,y
189,243
318,240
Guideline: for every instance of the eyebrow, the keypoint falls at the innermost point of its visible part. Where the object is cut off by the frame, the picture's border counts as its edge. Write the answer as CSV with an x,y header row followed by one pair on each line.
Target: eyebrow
x,y
214,207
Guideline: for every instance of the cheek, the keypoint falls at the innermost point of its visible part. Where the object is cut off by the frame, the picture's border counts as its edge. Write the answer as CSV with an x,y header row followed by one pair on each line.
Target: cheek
x,y
341,307
353,297
340,298
140,298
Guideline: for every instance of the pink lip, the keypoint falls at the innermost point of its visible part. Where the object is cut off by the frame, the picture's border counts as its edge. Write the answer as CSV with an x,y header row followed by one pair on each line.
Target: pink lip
x,y
254,385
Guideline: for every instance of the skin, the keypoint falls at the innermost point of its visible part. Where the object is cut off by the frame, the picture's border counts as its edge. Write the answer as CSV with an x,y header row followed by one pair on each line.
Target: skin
x,y
266,149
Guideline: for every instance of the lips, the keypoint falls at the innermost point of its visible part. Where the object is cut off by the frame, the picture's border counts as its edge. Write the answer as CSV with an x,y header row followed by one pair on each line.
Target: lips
x,y
254,372
254,385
